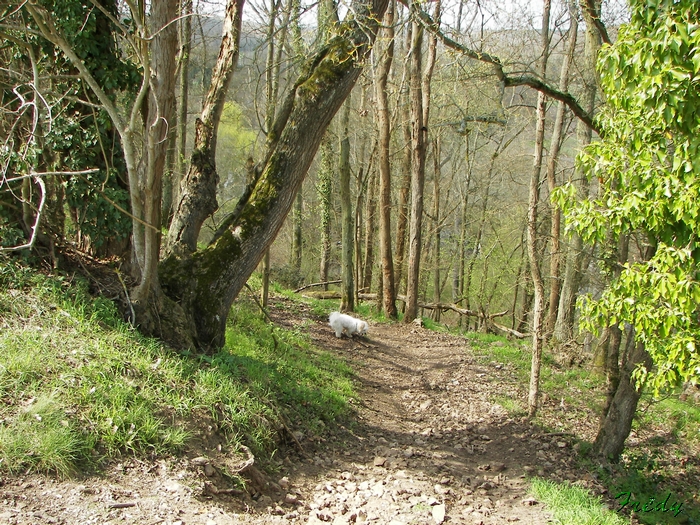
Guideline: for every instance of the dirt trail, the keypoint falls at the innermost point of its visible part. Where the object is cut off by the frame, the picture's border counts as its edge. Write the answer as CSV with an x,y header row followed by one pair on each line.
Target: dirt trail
x,y
429,447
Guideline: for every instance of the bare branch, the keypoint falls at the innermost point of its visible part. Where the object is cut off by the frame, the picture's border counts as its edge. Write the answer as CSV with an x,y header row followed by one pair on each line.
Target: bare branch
x,y
48,173
510,80
35,228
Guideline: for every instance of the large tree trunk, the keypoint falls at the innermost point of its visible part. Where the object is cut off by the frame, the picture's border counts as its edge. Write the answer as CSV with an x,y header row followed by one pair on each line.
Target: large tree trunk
x,y
388,289
532,244
207,282
405,191
198,196
418,141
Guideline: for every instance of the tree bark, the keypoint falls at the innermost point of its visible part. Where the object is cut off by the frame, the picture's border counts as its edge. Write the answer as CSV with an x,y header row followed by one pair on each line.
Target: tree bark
x,y
325,195
347,287
532,248
437,229
405,191
616,427
418,137
556,142
383,119
297,233
370,232
573,274
198,198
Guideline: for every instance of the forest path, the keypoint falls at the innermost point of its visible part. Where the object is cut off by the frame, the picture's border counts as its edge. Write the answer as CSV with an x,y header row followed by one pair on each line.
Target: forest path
x,y
429,446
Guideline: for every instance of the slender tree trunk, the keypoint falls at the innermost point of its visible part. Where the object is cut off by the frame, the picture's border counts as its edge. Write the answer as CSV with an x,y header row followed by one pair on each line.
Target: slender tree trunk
x,y
418,132
347,299
370,228
325,194
437,230
556,142
461,248
160,113
533,252
297,232
573,271
420,108
405,191
183,101
383,118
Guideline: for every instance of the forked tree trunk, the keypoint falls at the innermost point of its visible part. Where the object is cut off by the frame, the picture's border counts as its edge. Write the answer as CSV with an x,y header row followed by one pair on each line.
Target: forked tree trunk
x,y
198,197
207,282
383,118
617,423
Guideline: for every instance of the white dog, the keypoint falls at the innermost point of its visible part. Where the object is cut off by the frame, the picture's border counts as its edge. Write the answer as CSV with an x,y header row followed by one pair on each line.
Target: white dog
x,y
343,323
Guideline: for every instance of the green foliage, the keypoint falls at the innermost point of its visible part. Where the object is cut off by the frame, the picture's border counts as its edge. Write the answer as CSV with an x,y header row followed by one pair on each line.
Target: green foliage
x,y
80,387
573,505
648,164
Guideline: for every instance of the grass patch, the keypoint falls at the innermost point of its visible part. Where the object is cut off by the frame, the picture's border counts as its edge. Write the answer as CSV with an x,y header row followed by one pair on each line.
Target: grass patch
x,y
572,505
81,388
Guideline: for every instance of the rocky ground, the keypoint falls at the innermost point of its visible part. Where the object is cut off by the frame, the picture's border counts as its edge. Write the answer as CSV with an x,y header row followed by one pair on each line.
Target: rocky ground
x,y
428,447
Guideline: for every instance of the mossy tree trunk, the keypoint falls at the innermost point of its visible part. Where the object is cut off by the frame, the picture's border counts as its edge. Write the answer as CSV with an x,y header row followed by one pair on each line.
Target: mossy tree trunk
x,y
207,281
617,421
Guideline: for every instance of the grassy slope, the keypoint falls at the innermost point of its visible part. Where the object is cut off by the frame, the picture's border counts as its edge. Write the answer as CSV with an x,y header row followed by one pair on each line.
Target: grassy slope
x,y
80,387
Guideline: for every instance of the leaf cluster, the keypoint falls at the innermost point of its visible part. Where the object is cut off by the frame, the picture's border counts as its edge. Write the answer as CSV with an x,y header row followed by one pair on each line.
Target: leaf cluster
x,y
648,166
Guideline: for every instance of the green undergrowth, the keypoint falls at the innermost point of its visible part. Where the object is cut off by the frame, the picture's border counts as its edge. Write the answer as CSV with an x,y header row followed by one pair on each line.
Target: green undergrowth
x,y
573,505
80,387
661,455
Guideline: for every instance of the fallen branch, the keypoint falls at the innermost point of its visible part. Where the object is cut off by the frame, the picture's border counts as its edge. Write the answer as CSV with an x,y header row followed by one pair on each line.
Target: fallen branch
x,y
324,283
124,505
499,329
